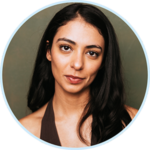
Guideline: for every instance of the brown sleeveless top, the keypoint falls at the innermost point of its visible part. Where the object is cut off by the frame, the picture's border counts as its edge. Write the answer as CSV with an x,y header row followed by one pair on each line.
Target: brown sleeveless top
x,y
48,127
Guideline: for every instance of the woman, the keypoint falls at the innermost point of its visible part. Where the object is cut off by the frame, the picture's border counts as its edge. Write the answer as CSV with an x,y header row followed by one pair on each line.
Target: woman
x,y
76,92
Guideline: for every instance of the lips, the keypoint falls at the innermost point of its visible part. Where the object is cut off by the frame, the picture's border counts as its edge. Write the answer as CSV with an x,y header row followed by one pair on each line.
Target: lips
x,y
74,79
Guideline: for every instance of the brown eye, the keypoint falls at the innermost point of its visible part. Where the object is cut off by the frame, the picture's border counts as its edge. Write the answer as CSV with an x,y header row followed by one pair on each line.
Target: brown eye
x,y
65,48
93,54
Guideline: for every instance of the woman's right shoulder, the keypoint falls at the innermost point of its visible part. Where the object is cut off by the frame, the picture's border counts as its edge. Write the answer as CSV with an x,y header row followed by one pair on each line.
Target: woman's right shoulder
x,y
29,120
32,124
33,121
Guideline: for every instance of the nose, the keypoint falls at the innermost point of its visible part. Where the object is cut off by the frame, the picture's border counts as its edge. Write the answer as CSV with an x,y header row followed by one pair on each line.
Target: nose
x,y
77,61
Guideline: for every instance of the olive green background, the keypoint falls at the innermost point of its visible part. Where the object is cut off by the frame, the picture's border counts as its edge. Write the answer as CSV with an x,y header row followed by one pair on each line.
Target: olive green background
x,y
21,53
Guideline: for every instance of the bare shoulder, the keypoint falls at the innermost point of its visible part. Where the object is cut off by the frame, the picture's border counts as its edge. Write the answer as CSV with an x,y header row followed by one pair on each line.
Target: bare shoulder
x,y
32,122
132,111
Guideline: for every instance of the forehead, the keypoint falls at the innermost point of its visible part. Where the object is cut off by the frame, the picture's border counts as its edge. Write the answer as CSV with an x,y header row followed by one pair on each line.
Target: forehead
x,y
80,32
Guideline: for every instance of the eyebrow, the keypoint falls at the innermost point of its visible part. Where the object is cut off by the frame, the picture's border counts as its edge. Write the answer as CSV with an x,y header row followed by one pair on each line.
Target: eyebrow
x,y
72,42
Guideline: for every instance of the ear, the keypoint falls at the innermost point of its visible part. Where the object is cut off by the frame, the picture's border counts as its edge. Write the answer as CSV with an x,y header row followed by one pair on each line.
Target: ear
x,y
48,55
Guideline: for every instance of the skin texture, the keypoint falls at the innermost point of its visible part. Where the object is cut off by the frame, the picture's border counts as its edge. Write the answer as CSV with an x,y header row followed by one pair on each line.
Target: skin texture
x,y
77,50
76,60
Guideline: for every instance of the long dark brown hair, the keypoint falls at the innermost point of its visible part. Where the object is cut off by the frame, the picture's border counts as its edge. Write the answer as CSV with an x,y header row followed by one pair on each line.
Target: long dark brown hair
x,y
107,90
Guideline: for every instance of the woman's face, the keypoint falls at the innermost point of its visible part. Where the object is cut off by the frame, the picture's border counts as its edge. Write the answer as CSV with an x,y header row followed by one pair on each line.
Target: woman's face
x,y
76,55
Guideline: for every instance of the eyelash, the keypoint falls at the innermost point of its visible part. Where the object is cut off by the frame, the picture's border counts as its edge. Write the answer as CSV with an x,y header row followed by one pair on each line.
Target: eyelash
x,y
96,54
62,46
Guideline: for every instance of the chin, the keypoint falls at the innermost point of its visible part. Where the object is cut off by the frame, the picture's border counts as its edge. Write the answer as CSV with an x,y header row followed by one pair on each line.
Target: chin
x,y
74,90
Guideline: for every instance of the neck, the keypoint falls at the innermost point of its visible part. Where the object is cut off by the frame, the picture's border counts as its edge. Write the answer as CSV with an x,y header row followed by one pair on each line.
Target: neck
x,y
69,104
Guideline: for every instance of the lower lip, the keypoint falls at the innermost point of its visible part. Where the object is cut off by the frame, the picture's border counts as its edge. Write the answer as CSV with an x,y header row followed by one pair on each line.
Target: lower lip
x,y
74,80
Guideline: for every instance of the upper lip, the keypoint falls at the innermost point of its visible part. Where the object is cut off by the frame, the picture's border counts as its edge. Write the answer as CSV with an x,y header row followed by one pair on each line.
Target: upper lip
x,y
74,76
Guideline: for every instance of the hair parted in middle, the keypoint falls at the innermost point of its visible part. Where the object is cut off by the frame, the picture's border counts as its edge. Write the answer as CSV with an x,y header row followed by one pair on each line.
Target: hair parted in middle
x,y
107,100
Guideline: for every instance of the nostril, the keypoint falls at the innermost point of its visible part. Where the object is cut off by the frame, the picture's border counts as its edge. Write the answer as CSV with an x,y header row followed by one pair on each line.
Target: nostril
x,y
77,63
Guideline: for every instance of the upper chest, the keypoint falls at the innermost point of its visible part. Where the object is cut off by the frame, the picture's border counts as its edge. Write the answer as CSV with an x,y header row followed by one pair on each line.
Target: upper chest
x,y
63,132
68,133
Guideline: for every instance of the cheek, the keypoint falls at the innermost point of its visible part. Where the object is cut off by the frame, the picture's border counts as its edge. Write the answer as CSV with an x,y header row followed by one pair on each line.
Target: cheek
x,y
95,64
92,70
58,62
